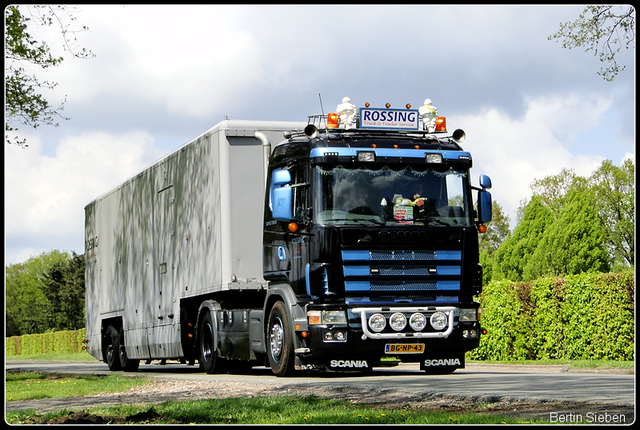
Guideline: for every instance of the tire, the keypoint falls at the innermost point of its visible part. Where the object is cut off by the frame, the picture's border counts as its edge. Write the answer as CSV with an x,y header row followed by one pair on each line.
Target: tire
x,y
209,359
112,349
127,364
280,341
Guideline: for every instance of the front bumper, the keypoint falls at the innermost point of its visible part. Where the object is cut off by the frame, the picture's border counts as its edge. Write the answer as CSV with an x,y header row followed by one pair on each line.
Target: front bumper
x,y
351,344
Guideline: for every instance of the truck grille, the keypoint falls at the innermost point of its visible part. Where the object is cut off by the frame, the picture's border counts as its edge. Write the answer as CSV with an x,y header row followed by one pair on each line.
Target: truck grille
x,y
369,274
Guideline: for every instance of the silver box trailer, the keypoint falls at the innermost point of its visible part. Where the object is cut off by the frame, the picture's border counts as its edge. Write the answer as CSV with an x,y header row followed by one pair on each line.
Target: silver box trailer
x,y
189,225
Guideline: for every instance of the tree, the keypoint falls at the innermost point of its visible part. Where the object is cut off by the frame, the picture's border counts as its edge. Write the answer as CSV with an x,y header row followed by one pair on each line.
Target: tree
x,y
490,241
554,189
64,287
614,199
24,102
497,230
572,244
514,253
45,293
603,29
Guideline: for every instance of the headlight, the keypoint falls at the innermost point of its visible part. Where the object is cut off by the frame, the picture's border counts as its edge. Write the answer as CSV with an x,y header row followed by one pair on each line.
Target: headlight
x,y
327,317
468,315
439,320
398,321
377,322
418,321
334,317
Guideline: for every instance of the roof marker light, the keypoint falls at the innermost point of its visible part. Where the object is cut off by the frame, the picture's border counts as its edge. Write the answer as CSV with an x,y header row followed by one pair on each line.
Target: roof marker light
x,y
366,156
433,158
388,105
332,120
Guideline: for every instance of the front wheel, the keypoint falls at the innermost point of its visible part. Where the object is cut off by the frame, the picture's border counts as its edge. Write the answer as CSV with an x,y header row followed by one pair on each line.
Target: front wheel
x,y
280,341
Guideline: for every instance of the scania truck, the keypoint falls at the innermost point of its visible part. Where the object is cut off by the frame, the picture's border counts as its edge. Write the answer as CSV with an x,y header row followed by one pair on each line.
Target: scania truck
x,y
353,239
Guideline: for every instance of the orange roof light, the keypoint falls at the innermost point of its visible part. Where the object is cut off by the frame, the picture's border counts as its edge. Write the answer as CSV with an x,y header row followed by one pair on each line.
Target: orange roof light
x,y
441,124
332,120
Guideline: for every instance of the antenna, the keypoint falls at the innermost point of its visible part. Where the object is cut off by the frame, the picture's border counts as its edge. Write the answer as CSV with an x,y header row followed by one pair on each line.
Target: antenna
x,y
322,110
321,106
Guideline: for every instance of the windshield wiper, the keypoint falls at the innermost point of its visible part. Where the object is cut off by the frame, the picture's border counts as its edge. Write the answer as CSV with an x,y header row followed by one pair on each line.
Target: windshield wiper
x,y
435,220
358,220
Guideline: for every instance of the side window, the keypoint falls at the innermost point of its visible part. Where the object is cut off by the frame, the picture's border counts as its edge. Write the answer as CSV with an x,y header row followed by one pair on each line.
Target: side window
x,y
300,186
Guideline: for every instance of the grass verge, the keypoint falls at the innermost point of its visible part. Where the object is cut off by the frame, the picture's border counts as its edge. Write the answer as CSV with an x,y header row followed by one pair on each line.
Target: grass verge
x,y
34,385
260,410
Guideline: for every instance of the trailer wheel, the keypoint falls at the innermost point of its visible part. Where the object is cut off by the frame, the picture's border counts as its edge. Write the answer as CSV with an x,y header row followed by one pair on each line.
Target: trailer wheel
x,y
280,341
112,349
209,359
127,364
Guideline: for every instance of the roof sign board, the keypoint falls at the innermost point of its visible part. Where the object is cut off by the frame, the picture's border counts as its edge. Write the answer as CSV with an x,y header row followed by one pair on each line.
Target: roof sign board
x,y
389,119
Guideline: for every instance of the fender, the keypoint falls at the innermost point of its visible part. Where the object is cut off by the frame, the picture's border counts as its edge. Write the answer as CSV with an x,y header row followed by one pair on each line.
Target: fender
x,y
208,306
284,293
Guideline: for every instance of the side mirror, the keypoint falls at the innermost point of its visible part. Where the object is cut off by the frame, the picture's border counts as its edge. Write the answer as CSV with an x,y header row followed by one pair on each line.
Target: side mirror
x,y
281,195
484,206
485,181
484,200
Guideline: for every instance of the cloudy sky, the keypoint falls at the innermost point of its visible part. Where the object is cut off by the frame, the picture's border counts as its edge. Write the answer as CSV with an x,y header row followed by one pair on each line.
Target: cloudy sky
x,y
163,75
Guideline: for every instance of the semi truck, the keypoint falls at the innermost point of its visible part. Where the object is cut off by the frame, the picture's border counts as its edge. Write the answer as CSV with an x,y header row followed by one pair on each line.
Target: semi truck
x,y
324,245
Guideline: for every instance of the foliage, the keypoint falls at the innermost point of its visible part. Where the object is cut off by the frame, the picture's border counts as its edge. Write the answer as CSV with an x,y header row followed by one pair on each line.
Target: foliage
x,y
614,199
603,29
69,341
572,244
497,230
580,317
24,101
513,255
571,225
45,293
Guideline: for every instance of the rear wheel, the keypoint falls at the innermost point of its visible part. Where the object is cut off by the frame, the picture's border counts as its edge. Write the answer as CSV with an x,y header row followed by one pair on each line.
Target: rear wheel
x,y
112,349
280,341
209,359
127,364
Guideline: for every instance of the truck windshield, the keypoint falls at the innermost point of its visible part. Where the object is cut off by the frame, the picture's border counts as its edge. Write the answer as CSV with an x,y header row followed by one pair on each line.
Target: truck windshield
x,y
388,196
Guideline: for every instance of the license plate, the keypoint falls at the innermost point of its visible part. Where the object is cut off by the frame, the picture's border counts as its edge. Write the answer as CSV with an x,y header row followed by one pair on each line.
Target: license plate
x,y
404,348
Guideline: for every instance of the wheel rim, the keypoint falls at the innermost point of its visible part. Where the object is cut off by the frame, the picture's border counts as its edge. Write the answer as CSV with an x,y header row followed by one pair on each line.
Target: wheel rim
x,y
207,342
276,339
110,354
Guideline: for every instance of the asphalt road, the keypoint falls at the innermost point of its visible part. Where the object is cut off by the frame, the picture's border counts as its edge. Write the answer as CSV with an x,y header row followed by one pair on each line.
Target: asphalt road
x,y
548,383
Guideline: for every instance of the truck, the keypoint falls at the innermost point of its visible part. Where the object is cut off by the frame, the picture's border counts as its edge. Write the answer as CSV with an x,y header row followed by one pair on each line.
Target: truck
x,y
323,245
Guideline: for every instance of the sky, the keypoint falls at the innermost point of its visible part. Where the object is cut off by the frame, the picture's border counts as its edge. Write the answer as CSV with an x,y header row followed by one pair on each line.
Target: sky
x,y
163,75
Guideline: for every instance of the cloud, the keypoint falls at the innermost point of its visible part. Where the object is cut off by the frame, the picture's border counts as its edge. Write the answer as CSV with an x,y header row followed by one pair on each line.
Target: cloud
x,y
45,195
515,152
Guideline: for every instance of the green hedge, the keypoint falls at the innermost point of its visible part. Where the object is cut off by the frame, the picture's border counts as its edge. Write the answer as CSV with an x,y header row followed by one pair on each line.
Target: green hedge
x,y
580,317
46,343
